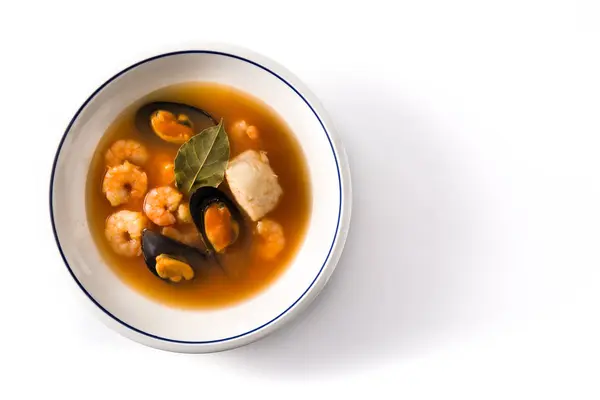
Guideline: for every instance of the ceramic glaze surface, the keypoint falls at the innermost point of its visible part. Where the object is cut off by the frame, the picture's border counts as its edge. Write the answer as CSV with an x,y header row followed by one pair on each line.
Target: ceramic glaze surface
x,y
157,325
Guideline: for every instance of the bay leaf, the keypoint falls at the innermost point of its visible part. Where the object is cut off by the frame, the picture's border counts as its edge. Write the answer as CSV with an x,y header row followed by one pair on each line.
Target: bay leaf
x,y
202,160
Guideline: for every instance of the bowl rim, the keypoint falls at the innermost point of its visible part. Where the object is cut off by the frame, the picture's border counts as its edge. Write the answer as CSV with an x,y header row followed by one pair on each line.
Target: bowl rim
x,y
343,174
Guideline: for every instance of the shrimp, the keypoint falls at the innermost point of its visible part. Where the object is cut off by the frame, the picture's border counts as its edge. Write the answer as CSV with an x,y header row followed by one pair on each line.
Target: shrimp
x,y
167,173
126,150
183,214
241,128
271,239
191,237
161,170
161,203
123,183
123,231
244,136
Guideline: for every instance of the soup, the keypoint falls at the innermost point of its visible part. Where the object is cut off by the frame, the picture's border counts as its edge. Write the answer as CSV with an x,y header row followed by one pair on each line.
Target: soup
x,y
198,196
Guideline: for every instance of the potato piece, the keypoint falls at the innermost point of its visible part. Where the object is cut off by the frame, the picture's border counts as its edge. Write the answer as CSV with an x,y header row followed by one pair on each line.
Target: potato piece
x,y
253,183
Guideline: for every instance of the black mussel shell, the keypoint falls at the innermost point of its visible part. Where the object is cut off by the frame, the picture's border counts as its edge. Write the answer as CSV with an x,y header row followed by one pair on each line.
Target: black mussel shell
x,y
199,118
155,244
201,200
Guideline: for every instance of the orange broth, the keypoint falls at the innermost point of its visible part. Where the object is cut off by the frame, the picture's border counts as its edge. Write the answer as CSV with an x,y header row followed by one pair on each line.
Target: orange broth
x,y
246,273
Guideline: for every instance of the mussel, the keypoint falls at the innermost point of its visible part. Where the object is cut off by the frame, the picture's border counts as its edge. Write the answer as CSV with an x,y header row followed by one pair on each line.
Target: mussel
x,y
172,122
170,259
216,217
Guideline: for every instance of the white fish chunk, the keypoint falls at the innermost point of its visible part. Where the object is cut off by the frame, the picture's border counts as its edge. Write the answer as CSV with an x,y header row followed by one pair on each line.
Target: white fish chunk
x,y
253,183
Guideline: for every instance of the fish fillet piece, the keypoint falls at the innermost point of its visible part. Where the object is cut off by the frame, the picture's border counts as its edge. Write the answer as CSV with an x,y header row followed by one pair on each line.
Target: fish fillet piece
x,y
253,183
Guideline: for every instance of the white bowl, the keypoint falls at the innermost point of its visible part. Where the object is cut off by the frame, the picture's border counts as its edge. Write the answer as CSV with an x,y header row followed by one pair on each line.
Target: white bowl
x,y
157,325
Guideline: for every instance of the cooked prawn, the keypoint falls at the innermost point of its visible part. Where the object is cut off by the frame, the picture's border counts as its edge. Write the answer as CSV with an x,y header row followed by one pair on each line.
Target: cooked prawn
x,y
123,183
126,150
271,239
241,129
123,231
161,203
161,170
191,237
167,173
183,214
244,136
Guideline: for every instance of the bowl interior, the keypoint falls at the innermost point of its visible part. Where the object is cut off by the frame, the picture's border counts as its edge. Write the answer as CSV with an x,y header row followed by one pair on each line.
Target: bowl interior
x,y
144,315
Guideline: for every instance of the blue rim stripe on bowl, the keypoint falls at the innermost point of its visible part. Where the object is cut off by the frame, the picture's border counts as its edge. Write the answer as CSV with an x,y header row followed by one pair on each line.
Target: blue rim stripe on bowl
x,y
67,132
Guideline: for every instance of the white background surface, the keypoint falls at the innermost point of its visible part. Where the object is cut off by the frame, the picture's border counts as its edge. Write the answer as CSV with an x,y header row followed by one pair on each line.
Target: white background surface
x,y
472,267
